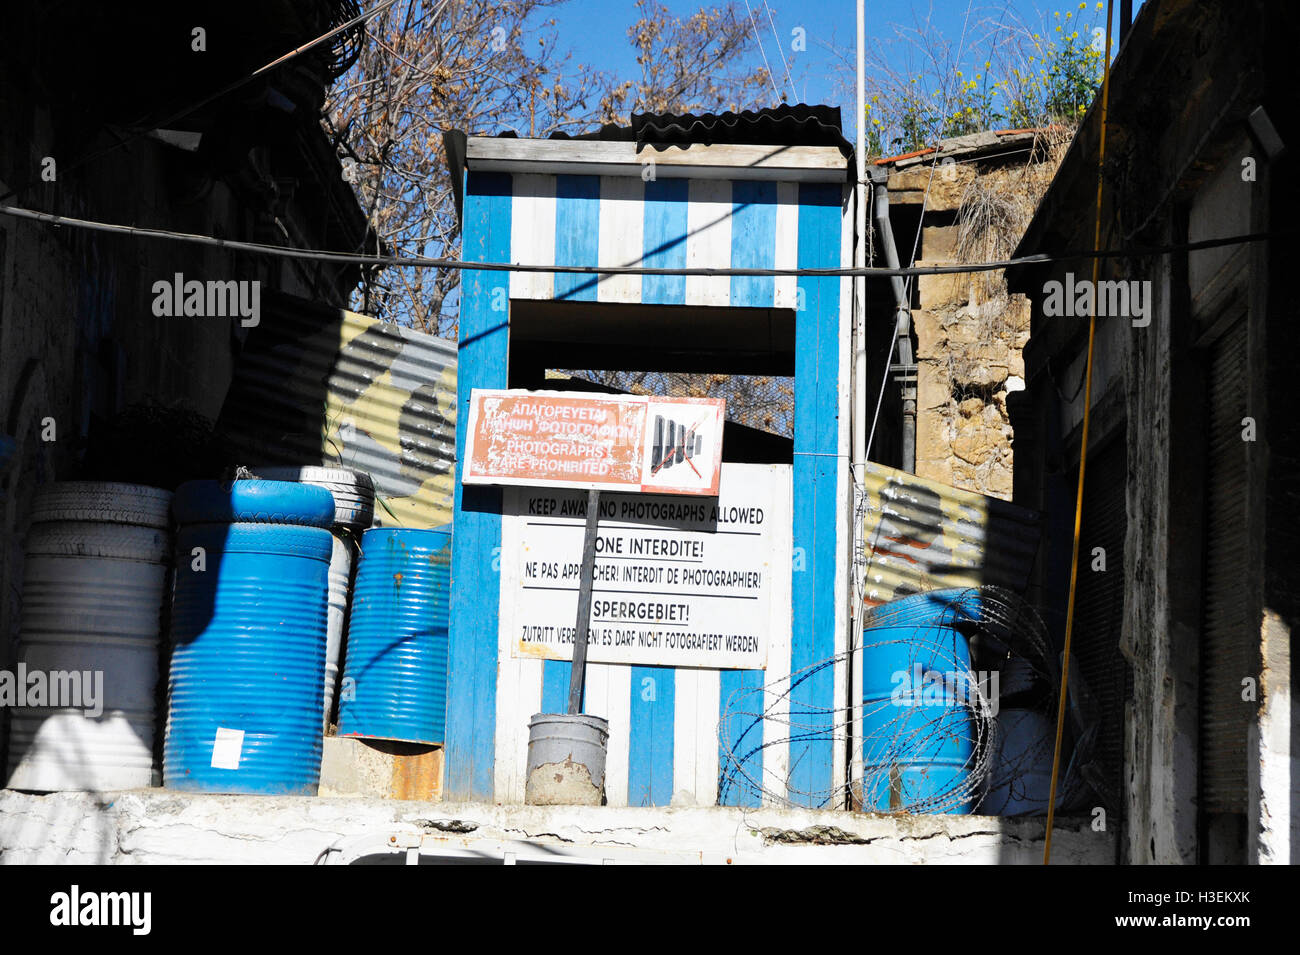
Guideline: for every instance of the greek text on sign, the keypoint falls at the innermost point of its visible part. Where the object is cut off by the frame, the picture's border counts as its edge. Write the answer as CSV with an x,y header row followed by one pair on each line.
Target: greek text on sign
x,y
611,442
678,582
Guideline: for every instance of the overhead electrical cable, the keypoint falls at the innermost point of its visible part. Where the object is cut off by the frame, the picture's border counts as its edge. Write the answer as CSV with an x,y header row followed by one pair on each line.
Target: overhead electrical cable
x,y
428,262
780,48
767,66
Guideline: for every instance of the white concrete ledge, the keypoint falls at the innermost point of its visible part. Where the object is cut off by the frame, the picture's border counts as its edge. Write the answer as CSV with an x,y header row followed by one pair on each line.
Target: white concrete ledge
x,y
159,826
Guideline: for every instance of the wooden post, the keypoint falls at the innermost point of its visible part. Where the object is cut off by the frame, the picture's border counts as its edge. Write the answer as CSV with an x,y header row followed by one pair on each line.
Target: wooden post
x,y
578,675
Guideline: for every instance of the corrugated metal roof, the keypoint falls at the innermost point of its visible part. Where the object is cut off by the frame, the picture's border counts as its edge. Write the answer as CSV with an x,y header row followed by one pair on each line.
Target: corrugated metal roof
x,y
921,535
327,386
783,125
970,146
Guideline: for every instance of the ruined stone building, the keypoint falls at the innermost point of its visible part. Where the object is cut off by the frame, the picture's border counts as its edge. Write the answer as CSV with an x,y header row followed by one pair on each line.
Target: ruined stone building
x,y
965,200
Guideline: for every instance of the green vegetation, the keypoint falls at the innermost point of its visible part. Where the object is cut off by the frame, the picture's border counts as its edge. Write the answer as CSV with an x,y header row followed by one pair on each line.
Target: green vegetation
x,y
1030,78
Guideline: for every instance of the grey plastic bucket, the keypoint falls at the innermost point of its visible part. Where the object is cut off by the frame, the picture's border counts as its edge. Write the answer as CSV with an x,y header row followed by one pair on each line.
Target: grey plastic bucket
x,y
566,760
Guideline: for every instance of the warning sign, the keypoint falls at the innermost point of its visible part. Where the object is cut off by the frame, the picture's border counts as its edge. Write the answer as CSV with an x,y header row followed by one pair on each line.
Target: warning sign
x,y
699,583
611,442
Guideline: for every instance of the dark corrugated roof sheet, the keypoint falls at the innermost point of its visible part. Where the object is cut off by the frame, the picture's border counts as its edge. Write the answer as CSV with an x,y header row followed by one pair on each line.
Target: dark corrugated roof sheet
x,y
779,126
783,125
971,145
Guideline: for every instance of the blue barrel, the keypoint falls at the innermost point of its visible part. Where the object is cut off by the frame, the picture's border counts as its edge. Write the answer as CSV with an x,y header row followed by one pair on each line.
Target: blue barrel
x,y
246,684
253,502
395,669
917,726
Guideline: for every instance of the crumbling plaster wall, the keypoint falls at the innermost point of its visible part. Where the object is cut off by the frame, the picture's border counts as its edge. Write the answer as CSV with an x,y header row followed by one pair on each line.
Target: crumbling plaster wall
x,y
1160,760
159,826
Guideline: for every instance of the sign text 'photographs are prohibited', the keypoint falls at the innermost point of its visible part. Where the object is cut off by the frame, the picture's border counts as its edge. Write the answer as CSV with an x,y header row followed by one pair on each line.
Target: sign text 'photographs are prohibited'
x,y
637,443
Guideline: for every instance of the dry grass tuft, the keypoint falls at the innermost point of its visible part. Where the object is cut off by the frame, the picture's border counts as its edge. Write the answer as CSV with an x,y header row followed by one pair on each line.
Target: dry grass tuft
x,y
996,210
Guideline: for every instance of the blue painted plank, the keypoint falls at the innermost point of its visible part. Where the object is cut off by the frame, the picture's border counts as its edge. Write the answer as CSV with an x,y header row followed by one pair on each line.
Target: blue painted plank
x,y
744,736
653,706
664,234
555,686
821,203
476,542
577,235
825,199
753,243
816,439
650,759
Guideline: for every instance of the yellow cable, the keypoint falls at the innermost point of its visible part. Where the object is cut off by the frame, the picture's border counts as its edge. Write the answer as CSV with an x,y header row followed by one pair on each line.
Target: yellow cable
x,y
1083,450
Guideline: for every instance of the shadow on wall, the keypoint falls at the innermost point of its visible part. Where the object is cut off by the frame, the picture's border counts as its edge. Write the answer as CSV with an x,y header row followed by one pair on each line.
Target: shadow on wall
x,y
318,385
155,445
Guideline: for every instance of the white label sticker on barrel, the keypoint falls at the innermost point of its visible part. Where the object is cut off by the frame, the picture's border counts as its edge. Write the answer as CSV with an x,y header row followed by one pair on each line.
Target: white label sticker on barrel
x,y
227,748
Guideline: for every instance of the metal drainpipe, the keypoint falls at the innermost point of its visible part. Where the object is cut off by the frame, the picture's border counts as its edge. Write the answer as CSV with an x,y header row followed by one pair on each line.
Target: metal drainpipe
x,y
904,369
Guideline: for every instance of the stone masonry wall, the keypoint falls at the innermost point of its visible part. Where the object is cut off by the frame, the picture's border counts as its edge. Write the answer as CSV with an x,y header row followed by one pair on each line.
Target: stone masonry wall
x,y
969,330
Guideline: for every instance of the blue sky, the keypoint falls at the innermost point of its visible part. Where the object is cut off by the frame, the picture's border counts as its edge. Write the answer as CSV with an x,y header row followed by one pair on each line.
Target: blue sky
x,y
596,31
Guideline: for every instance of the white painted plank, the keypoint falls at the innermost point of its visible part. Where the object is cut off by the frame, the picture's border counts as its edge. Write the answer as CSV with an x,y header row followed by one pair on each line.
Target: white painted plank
x,y
844,488
776,731
505,769
618,689
787,243
622,227
854,663
707,703
532,235
686,720
519,695
695,738
596,691
511,725
708,241
528,681
782,163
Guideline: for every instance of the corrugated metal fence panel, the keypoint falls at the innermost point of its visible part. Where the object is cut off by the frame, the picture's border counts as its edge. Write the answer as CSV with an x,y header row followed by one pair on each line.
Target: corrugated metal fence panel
x,y
350,391
1227,637
921,535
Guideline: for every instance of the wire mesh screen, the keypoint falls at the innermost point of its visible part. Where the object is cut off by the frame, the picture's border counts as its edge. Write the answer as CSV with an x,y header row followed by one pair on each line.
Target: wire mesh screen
x,y
764,402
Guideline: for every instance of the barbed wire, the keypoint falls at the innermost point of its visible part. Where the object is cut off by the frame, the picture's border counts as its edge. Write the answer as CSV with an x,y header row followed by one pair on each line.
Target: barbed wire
x,y
929,731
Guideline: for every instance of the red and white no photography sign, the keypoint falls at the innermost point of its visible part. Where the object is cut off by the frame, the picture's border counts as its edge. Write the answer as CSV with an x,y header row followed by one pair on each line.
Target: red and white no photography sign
x,y
609,442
